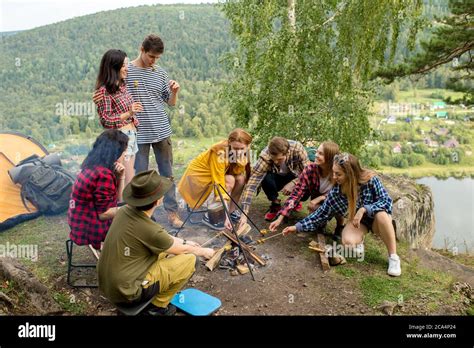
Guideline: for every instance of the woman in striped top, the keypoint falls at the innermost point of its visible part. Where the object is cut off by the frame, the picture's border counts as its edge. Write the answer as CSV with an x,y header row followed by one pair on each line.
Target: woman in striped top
x,y
115,105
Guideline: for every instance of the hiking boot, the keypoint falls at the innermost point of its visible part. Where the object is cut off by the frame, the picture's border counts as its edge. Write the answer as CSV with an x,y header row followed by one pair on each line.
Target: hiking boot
x,y
155,311
394,268
235,216
272,213
217,227
334,257
174,220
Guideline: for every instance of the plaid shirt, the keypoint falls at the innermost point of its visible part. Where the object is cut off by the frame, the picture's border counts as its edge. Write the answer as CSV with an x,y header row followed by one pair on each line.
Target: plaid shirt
x,y
93,193
372,196
308,184
296,160
111,106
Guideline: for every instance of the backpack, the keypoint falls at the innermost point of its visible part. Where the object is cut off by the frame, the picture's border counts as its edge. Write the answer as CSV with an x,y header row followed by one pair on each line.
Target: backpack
x,y
47,187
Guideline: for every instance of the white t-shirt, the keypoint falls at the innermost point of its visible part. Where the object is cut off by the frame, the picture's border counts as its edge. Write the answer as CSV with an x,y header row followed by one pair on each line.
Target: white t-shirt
x,y
325,185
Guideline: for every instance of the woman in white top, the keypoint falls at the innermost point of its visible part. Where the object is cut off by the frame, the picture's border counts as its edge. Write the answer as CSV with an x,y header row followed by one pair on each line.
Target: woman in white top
x,y
314,183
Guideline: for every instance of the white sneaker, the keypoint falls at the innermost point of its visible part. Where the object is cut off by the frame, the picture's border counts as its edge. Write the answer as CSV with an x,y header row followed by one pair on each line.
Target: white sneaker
x,y
394,266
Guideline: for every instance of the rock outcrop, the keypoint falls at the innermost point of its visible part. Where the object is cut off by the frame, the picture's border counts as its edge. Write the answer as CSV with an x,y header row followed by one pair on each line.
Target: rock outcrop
x,y
413,210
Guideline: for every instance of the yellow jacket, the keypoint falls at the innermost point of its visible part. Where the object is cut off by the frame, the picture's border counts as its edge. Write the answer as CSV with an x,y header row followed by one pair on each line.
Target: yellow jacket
x,y
207,168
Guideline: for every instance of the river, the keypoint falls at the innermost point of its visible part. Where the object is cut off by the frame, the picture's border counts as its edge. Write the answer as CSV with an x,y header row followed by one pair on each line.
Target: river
x,y
454,213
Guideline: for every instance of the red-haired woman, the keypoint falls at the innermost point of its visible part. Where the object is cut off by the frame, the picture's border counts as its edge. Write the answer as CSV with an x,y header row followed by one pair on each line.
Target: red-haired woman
x,y
225,163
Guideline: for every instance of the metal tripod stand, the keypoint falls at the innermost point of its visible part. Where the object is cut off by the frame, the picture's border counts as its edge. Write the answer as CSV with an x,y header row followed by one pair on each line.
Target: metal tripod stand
x,y
219,188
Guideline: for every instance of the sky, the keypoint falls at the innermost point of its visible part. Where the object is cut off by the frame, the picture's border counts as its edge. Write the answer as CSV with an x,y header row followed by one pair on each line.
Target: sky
x,y
28,14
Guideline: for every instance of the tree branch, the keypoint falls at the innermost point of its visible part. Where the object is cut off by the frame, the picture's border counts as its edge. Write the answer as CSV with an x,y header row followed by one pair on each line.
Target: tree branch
x,y
458,51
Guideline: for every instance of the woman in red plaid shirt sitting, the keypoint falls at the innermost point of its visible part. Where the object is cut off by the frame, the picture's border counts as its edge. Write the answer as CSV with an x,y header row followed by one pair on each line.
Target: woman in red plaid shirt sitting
x,y
115,105
97,189
314,183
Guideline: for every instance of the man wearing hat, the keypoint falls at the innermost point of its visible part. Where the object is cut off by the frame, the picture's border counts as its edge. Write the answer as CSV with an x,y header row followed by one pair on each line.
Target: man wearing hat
x,y
136,251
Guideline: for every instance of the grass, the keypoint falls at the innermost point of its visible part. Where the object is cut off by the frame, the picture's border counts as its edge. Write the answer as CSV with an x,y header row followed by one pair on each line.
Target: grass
x,y
416,283
186,149
49,234
464,259
470,311
69,303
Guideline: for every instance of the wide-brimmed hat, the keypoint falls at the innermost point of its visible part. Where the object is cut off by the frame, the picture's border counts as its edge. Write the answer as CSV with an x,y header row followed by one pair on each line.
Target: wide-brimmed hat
x,y
145,188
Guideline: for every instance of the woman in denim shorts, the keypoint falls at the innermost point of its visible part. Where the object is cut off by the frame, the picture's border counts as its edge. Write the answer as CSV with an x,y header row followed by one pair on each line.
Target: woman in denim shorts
x,y
115,105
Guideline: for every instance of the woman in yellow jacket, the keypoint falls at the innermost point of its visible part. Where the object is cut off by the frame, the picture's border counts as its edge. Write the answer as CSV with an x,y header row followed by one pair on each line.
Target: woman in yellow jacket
x,y
225,163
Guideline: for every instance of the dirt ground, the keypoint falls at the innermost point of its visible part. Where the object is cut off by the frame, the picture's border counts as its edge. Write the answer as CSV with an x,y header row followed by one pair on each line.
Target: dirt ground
x,y
291,283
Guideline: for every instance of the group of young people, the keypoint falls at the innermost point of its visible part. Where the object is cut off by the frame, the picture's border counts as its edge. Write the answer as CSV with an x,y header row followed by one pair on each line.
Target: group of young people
x,y
335,184
115,195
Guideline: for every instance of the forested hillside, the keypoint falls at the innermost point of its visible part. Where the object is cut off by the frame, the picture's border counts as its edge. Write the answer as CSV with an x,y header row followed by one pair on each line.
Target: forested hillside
x,y
47,74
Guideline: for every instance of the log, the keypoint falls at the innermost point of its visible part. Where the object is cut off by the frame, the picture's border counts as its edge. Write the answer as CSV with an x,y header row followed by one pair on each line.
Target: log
x,y
95,252
243,269
211,239
322,256
316,247
318,250
243,230
212,263
5,298
245,248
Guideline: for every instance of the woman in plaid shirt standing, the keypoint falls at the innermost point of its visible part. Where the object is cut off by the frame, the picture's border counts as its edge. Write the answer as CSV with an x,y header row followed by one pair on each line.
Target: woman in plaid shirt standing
x,y
360,195
115,105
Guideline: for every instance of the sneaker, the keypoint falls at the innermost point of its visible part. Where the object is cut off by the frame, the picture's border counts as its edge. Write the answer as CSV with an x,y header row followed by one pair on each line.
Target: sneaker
x,y
174,220
272,213
299,207
394,268
155,311
235,216
218,227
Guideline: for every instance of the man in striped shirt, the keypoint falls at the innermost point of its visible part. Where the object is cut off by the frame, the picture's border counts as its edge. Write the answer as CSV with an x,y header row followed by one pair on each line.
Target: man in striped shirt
x,y
149,84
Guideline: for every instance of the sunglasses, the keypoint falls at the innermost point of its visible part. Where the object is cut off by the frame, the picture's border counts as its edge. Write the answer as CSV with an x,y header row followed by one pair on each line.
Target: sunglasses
x,y
341,158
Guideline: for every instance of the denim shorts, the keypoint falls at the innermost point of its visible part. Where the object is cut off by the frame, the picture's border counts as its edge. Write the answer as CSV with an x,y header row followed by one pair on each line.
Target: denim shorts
x,y
132,147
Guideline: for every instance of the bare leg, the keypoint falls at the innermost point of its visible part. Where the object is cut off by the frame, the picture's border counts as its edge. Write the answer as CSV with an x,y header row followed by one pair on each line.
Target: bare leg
x,y
229,186
239,183
129,163
352,235
383,227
